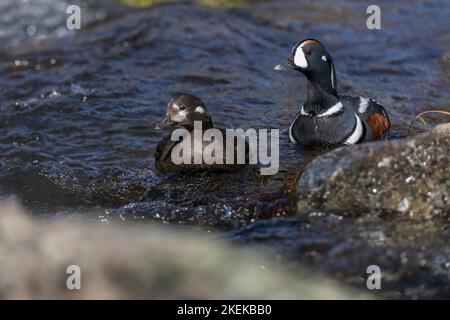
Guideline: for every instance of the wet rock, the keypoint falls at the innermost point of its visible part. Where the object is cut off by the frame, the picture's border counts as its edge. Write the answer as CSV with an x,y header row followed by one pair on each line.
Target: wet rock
x,y
413,255
409,176
139,262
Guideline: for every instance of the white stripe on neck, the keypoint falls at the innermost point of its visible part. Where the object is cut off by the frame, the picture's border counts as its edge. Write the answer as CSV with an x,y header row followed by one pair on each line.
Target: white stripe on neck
x,y
333,85
300,58
303,112
356,135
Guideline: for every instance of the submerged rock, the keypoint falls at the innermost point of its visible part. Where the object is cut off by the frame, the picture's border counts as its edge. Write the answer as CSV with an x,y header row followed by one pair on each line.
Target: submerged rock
x,y
118,261
409,176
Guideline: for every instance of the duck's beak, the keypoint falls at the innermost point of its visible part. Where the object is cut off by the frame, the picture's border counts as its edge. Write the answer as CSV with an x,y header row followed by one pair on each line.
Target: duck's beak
x,y
167,122
288,65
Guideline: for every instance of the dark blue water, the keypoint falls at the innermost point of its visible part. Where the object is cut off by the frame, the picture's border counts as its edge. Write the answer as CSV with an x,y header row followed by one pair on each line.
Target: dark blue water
x,y
78,109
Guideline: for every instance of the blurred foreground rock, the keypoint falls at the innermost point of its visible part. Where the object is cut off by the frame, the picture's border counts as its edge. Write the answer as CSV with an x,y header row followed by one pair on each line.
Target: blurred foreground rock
x,y
152,262
409,176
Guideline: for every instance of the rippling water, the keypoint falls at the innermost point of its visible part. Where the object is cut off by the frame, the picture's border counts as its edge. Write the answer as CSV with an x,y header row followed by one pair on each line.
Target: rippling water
x,y
78,111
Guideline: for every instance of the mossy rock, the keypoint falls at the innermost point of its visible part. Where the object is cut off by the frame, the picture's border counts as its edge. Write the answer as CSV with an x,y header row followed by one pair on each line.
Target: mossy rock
x,y
407,176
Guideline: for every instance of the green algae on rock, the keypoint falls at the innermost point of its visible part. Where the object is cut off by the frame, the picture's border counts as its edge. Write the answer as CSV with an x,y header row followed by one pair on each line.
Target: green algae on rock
x,y
408,176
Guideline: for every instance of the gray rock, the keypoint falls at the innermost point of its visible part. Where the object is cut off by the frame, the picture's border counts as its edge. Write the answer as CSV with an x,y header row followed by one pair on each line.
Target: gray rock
x,y
140,261
409,176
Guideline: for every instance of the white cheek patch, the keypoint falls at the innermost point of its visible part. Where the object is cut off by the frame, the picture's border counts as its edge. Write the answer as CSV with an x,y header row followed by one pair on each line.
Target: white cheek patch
x,y
175,106
303,112
180,116
300,59
199,110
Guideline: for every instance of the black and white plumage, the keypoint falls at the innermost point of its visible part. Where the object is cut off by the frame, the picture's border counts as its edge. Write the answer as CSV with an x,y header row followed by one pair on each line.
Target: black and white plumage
x,y
327,118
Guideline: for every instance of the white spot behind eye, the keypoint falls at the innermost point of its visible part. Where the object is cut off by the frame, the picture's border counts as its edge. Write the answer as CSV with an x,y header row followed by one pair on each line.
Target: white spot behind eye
x,y
199,110
300,59
324,58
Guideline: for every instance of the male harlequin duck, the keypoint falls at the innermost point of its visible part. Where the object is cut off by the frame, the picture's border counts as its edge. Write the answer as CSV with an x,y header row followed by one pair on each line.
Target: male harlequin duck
x,y
327,118
182,112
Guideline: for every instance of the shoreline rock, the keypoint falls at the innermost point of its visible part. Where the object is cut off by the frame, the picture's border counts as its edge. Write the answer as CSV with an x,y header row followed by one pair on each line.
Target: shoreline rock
x,y
408,176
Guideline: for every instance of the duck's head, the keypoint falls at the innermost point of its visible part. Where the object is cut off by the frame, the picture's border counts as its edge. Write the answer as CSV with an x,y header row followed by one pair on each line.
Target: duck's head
x,y
310,57
183,110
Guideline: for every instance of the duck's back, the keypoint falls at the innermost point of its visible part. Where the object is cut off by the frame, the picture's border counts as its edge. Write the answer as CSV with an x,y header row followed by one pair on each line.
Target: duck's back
x,y
198,149
372,114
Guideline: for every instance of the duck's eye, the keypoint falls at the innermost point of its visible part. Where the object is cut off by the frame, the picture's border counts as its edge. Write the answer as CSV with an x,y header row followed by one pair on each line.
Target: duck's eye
x,y
182,107
308,52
